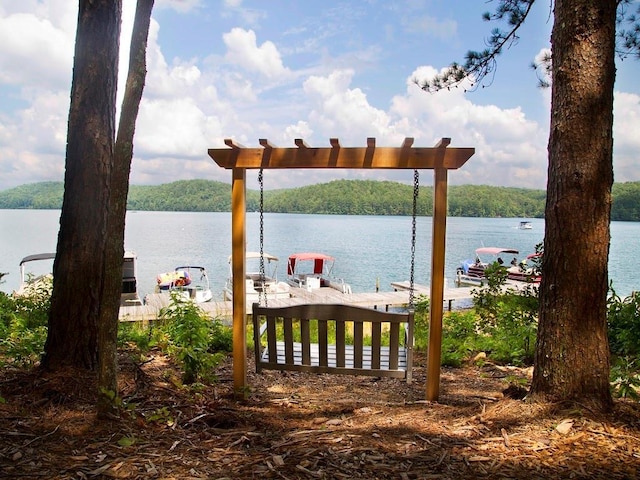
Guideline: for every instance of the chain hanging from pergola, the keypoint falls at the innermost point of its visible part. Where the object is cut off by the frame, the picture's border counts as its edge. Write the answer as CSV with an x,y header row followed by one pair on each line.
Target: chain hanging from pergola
x,y
262,294
239,159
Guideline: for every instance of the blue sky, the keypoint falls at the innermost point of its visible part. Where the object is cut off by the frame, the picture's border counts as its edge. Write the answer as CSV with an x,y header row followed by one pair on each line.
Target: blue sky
x,y
286,69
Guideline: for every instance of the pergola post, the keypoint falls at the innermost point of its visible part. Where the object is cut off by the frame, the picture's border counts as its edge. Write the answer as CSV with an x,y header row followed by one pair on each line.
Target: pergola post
x,y
238,271
436,301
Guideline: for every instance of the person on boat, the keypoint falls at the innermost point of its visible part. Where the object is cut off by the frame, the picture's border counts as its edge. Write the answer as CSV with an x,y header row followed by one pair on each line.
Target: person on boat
x,y
514,262
500,261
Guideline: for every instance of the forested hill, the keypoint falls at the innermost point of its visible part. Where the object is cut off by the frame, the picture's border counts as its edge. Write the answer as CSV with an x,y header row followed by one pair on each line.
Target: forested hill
x,y
351,197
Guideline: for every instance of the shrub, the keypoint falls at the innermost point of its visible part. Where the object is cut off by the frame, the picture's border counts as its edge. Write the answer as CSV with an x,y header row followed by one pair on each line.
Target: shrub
x,y
23,326
623,318
193,338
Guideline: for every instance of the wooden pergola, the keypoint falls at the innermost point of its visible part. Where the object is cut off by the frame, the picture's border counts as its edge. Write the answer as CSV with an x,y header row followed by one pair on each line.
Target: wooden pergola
x,y
239,159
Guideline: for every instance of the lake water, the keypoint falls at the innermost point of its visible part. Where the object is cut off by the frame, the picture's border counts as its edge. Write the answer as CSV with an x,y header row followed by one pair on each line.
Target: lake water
x,y
368,249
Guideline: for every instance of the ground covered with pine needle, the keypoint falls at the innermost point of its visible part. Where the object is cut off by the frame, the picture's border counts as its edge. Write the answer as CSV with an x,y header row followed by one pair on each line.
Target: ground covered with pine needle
x,y
306,426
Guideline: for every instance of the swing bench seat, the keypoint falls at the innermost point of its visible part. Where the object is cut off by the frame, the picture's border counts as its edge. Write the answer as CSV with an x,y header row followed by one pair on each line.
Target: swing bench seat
x,y
381,346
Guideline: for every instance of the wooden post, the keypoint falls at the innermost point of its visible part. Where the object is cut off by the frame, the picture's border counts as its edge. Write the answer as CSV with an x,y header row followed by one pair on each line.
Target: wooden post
x,y
238,270
437,283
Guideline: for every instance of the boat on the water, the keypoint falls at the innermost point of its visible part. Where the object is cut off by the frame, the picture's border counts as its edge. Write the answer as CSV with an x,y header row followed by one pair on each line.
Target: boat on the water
x,y
259,285
472,272
525,225
191,281
129,296
313,271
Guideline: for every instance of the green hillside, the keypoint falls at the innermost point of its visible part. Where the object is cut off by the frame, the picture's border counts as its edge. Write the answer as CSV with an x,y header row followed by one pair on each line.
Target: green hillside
x,y
347,197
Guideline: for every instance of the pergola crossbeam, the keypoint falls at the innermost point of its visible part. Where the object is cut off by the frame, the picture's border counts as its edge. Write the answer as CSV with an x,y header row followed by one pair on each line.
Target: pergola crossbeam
x,y
336,156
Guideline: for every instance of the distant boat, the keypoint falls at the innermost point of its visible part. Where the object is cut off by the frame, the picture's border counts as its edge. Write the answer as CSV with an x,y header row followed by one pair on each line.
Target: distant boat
x,y
191,280
525,226
312,271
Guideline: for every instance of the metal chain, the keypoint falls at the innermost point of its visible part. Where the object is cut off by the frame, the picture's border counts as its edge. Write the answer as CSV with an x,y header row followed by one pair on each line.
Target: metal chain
x,y
262,272
416,189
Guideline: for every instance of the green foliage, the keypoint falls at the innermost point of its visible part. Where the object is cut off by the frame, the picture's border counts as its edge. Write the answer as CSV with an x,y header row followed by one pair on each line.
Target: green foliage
x,y
625,378
183,195
623,317
459,337
344,197
190,335
134,334
23,325
508,318
502,324
33,306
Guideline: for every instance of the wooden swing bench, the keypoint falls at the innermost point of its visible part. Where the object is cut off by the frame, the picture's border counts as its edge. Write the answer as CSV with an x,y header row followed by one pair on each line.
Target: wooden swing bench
x,y
290,347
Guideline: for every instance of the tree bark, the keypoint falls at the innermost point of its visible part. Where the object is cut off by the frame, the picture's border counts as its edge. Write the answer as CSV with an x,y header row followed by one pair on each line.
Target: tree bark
x,y
108,322
572,354
79,266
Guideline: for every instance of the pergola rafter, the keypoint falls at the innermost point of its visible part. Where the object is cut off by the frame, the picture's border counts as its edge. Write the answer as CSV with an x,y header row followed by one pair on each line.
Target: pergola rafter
x,y
239,159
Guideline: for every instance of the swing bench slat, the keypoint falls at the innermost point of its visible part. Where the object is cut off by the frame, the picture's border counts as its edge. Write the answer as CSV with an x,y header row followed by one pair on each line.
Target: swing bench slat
x,y
288,344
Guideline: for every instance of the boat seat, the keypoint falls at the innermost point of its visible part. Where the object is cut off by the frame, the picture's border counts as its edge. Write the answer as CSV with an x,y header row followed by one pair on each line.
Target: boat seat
x,y
283,340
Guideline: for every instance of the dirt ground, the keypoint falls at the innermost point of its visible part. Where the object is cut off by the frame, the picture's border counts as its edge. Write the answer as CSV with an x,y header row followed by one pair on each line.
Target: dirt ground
x,y
306,426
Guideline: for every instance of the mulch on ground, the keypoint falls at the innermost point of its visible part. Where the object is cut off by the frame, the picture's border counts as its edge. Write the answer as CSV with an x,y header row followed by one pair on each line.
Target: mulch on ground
x,y
306,426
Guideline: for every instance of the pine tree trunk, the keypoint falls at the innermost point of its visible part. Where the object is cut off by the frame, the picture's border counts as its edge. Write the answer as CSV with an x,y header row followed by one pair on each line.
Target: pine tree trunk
x,y
108,331
572,354
79,267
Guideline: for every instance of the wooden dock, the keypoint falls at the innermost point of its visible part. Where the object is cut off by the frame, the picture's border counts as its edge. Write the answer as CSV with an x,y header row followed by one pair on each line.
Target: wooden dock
x,y
223,309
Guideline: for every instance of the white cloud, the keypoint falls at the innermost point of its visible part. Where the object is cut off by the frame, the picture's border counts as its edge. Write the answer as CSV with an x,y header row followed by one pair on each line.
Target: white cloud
x,y
243,50
33,48
626,141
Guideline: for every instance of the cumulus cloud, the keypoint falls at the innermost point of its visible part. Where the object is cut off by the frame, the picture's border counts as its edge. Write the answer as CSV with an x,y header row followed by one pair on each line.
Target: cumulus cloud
x,y
243,50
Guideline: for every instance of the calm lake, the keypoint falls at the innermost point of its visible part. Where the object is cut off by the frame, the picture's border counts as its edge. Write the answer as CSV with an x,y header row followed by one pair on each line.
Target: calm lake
x,y
368,249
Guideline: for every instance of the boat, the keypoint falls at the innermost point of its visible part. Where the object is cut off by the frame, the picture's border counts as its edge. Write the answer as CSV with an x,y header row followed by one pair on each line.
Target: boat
x,y
525,226
30,282
312,271
472,272
128,297
190,280
259,285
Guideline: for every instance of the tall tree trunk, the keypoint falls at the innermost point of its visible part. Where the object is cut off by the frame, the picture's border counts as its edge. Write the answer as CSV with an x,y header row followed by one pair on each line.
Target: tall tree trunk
x,y
108,323
572,354
79,266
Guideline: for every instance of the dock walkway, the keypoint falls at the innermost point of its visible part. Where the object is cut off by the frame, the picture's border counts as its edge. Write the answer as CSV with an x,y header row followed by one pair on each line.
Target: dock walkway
x,y
223,309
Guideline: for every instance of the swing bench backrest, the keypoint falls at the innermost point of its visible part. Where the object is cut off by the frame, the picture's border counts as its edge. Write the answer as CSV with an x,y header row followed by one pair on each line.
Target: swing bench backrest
x,y
301,338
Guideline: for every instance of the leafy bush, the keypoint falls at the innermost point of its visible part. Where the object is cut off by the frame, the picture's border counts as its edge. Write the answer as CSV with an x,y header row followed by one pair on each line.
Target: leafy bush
x,y
459,337
192,336
625,378
23,325
508,318
623,317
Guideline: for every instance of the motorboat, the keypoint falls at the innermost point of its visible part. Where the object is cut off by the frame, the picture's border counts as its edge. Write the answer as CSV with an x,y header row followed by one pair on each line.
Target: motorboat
x,y
259,285
191,281
29,283
472,272
525,225
130,295
312,271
